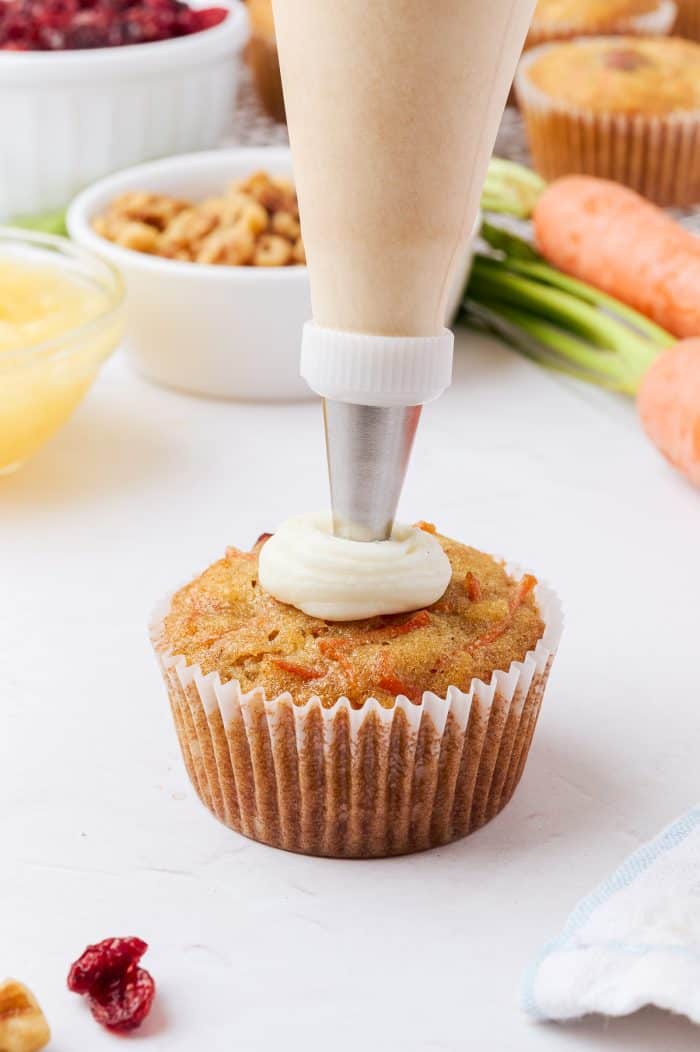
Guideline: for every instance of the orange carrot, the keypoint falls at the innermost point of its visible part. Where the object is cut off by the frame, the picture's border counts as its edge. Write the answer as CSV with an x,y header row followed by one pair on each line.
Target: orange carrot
x,y
297,670
611,238
418,620
426,527
473,587
669,406
337,650
525,586
391,683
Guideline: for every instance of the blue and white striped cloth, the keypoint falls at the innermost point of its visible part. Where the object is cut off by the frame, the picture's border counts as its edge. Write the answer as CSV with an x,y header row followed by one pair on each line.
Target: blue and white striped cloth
x,y
634,941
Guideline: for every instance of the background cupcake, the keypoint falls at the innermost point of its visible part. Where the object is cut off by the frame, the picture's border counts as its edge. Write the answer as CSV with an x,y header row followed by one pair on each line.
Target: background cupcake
x,y
364,738
263,59
688,24
621,108
566,19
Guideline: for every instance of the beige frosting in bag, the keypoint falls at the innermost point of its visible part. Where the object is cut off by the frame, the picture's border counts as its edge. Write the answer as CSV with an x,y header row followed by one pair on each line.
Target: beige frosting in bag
x,y
393,108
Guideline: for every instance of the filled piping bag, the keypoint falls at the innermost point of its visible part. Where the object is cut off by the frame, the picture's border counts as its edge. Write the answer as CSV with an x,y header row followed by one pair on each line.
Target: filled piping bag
x,y
393,108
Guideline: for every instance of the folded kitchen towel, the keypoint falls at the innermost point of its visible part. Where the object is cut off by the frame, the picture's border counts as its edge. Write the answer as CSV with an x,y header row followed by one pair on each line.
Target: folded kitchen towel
x,y
634,941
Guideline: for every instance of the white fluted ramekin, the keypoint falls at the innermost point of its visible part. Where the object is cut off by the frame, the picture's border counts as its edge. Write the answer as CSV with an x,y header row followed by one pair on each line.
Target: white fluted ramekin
x,y
70,117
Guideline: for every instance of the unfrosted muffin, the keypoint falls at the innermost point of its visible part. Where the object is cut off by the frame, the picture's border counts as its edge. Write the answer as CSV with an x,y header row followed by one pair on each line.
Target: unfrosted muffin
x,y
621,108
361,738
566,19
263,58
688,24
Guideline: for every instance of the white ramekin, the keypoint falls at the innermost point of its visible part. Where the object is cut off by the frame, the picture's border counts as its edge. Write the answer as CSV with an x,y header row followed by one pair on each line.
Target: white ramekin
x,y
226,332
70,117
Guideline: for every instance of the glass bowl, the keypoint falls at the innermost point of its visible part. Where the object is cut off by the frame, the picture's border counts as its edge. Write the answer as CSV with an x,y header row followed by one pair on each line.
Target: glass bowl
x,y
41,383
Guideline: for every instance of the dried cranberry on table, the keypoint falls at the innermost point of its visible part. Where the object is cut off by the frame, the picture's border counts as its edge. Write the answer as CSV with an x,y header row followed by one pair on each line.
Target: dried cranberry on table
x,y
119,993
68,25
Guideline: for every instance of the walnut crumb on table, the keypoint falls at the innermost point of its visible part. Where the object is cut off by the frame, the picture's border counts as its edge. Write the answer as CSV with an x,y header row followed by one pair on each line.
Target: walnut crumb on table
x,y
23,1026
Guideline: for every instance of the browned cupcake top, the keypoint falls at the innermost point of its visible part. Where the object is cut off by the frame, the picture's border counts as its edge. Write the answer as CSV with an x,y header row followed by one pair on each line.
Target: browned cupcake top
x,y
224,621
261,17
588,16
629,75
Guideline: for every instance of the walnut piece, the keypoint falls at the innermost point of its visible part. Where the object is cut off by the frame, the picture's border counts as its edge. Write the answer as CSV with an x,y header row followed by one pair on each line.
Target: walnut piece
x,y
155,209
284,224
272,251
233,245
23,1027
137,235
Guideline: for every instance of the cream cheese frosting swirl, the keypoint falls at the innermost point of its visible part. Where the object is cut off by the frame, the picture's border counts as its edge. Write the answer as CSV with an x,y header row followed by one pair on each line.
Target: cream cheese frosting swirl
x,y
335,579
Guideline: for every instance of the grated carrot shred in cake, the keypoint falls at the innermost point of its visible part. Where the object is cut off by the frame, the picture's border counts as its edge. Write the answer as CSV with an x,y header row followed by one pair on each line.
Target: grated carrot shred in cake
x,y
224,621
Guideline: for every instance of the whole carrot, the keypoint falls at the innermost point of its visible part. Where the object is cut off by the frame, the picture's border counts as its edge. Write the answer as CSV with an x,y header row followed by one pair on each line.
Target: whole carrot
x,y
610,237
669,406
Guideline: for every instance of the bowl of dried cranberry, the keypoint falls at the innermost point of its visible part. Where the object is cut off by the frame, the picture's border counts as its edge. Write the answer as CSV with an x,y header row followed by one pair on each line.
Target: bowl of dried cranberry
x,y
88,87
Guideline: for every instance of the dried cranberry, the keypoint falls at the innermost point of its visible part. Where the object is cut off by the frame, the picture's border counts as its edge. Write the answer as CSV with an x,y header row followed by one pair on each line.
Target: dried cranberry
x,y
89,29
186,21
17,32
54,25
119,992
140,27
123,1004
208,17
54,14
105,959
51,39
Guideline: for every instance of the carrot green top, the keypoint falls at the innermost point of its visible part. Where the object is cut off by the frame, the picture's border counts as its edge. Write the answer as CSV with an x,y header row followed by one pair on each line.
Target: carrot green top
x,y
224,621
627,75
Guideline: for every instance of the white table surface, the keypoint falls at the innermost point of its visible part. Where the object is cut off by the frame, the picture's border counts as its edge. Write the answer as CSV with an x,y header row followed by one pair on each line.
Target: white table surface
x,y
254,949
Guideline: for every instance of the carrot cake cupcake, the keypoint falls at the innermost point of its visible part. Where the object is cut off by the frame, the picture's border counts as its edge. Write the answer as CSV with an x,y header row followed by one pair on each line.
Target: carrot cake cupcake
x,y
566,19
688,24
263,58
390,710
621,108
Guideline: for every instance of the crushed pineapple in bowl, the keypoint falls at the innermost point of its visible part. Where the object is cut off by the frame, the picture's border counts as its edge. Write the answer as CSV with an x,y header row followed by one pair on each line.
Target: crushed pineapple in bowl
x,y
61,315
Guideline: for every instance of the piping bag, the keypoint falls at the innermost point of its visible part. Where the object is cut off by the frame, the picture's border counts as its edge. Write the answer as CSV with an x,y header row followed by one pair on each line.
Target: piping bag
x,y
393,108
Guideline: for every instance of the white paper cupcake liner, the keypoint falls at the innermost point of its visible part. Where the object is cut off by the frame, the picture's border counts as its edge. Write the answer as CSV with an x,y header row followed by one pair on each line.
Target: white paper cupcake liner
x,y
359,783
659,22
658,157
688,24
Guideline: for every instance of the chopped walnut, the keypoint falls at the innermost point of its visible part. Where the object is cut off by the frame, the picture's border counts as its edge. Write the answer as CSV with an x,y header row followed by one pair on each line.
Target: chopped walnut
x,y
187,231
137,235
284,224
298,253
233,245
272,251
155,209
274,194
254,222
255,218
23,1027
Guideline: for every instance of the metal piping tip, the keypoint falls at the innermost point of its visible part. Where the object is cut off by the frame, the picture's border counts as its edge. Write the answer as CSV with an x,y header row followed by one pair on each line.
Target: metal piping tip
x,y
368,449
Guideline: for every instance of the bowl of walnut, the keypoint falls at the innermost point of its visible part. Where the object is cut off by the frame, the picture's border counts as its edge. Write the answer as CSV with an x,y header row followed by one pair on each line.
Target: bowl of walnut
x,y
211,250
209,245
